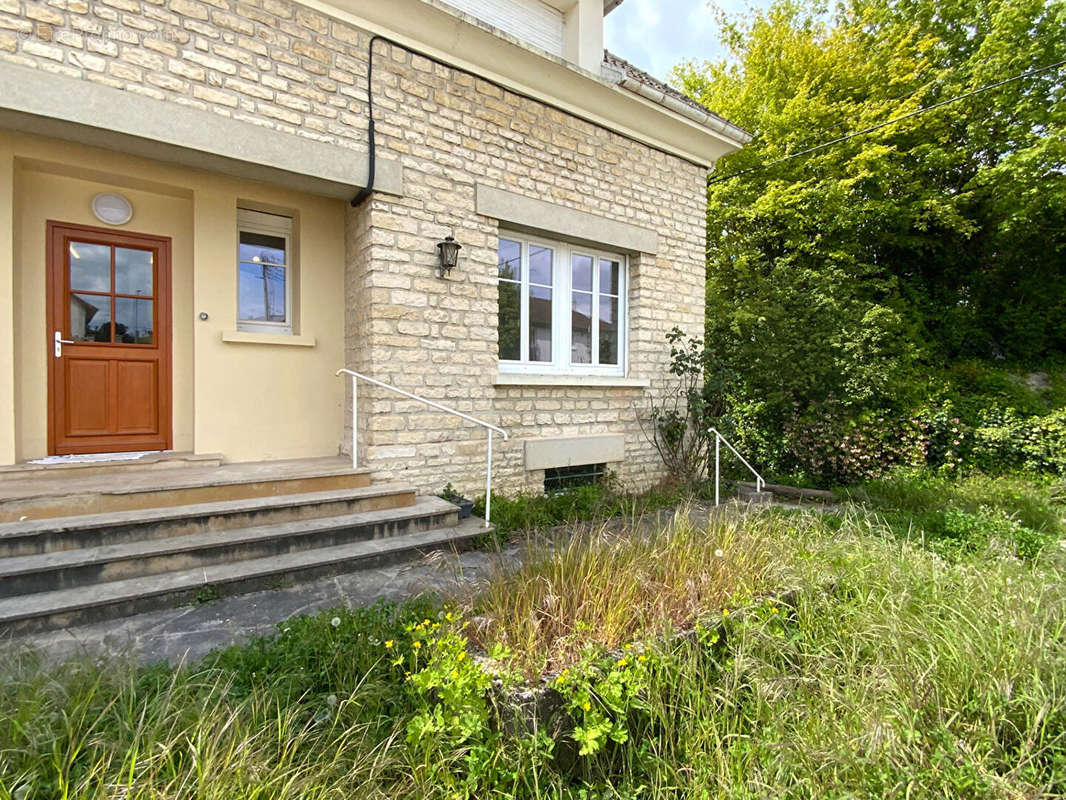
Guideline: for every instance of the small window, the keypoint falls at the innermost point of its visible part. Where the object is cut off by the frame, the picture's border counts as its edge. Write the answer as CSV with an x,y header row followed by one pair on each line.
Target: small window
x,y
558,479
264,267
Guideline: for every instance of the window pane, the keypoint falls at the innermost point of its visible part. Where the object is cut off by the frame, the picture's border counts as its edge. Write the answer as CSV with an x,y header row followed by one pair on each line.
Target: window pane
x,y
262,293
608,276
581,328
510,260
133,271
90,267
540,324
581,272
608,330
261,248
540,265
510,331
90,318
133,321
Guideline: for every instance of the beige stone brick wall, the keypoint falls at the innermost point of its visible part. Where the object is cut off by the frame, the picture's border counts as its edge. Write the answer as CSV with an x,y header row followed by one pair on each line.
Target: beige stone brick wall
x,y
294,69
438,337
270,62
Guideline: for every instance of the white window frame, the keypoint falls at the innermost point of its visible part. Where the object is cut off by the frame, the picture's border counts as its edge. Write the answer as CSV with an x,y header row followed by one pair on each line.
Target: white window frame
x,y
561,310
251,221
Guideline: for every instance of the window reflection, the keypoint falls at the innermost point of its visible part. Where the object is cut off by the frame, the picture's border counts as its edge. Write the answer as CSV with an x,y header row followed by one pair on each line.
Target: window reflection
x,y
90,318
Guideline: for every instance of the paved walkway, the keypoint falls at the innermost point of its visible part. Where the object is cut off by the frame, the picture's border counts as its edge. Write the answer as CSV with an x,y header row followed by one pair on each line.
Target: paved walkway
x,y
190,632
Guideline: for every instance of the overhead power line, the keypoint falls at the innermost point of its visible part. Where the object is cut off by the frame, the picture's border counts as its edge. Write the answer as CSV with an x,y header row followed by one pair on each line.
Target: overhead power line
x,y
886,123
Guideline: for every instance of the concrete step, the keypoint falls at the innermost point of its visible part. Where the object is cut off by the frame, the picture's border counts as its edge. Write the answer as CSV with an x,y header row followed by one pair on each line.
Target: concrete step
x,y
61,494
70,607
818,495
754,497
169,459
67,569
38,537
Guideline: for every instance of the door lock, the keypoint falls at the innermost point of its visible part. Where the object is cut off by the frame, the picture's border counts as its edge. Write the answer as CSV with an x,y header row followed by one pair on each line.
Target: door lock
x,y
59,342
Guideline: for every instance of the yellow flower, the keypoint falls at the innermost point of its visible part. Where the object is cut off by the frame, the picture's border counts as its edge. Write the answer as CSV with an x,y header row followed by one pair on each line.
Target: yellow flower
x,y
725,612
460,657
417,645
643,659
628,647
454,675
774,610
621,662
587,705
389,644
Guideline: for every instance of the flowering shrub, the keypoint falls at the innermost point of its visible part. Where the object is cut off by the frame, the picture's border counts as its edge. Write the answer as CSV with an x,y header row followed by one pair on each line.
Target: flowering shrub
x,y
838,450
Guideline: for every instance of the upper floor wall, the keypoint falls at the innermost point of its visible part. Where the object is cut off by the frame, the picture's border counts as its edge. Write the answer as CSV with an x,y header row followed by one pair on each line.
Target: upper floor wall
x,y
290,78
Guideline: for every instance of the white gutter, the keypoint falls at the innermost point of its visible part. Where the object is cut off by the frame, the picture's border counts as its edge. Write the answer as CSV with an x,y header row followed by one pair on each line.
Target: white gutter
x,y
712,121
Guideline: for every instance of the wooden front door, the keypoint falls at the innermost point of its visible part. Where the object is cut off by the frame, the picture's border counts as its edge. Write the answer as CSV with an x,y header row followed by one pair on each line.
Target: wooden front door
x,y
108,340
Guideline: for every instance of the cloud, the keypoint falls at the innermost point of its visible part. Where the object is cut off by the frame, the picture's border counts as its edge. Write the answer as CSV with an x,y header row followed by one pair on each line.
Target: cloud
x,y
658,34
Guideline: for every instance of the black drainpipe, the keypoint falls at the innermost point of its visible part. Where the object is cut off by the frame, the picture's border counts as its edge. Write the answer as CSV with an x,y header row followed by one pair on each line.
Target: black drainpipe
x,y
368,190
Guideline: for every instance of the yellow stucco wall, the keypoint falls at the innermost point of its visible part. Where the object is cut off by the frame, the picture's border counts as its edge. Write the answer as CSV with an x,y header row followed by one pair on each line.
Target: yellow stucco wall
x,y
248,401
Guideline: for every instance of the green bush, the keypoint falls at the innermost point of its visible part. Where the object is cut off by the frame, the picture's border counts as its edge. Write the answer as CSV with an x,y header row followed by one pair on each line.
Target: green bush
x,y
971,416
531,511
1005,441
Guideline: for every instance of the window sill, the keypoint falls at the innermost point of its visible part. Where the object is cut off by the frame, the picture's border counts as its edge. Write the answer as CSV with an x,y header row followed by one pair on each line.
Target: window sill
x,y
521,379
286,339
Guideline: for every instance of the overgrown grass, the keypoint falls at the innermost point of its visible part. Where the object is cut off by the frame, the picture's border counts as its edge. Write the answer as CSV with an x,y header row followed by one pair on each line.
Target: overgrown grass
x,y
969,514
895,673
607,588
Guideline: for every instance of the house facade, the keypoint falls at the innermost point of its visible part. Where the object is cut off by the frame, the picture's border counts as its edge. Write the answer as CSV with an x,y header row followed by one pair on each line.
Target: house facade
x,y
198,229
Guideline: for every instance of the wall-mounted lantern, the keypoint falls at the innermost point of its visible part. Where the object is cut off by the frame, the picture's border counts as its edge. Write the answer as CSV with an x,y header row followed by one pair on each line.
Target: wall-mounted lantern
x,y
448,251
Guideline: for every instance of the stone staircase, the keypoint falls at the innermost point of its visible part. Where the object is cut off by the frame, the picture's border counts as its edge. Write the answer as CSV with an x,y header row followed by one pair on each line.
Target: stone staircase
x,y
81,548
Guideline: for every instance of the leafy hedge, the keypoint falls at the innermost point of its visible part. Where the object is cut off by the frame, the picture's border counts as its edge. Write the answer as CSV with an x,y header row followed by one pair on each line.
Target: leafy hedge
x,y
970,416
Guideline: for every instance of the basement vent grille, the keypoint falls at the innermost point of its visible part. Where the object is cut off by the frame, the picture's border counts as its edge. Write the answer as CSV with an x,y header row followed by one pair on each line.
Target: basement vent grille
x,y
558,479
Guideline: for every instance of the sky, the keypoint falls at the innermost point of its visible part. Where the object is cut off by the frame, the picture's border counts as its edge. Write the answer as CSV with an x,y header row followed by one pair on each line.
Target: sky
x,y
657,34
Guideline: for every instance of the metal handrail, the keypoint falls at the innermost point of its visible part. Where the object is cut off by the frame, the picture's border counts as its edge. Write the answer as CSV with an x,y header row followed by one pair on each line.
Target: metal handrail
x,y
718,439
358,376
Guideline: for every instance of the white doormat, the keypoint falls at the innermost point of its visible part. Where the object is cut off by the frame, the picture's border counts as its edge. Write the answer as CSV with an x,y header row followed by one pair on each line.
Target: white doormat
x,y
87,458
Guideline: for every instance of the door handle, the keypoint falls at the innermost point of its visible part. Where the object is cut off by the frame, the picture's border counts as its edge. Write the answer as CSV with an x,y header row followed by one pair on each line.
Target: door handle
x,y
59,342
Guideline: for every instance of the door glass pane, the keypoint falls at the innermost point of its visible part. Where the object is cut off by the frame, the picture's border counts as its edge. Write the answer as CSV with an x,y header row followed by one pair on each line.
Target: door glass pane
x,y
608,276
261,248
540,323
510,260
262,293
581,272
90,318
608,330
510,307
581,327
133,271
133,321
90,267
540,265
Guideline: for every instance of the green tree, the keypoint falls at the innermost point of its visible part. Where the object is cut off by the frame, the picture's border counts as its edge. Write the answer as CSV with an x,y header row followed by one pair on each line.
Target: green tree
x,y
833,276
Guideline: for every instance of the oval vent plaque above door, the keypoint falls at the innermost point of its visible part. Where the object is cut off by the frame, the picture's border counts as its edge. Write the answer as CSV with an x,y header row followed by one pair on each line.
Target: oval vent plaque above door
x,y
112,208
